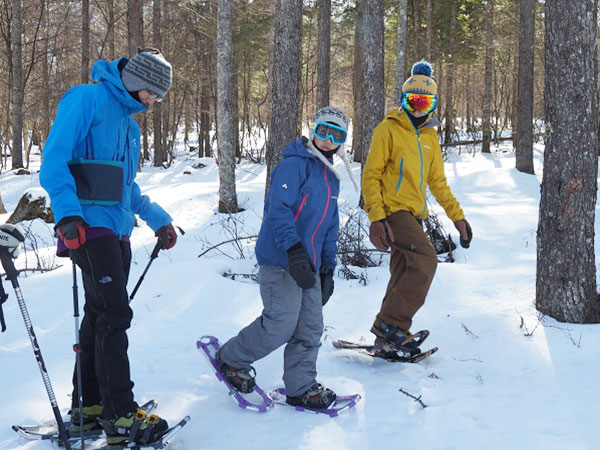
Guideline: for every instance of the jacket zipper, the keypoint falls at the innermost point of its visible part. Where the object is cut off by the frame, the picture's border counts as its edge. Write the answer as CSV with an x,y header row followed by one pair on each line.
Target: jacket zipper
x,y
401,174
300,208
421,157
322,218
130,160
421,181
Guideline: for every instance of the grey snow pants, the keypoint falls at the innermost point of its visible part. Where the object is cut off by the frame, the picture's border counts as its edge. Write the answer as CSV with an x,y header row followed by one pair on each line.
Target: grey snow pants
x,y
291,315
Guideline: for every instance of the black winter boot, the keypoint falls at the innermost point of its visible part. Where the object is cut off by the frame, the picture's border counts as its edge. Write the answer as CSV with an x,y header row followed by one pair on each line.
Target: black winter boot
x,y
391,339
241,379
317,397
91,414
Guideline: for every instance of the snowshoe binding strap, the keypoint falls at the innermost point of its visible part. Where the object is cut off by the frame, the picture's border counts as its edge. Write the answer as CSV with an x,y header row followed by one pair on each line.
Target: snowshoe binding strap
x,y
151,423
139,418
242,379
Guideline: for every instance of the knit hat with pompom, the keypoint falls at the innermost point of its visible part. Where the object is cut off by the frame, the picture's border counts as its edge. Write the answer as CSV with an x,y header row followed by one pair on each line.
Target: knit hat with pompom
x,y
420,81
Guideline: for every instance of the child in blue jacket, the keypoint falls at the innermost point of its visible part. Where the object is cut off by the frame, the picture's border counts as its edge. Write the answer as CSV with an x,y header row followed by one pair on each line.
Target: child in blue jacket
x,y
296,251
89,168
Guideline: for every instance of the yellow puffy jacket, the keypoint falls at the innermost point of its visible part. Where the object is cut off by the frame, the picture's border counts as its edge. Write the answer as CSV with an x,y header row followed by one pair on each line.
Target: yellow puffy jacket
x,y
402,161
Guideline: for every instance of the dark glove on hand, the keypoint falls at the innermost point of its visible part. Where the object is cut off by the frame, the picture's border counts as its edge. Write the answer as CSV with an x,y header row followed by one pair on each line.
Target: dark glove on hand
x,y
464,229
300,266
167,237
380,235
72,231
326,283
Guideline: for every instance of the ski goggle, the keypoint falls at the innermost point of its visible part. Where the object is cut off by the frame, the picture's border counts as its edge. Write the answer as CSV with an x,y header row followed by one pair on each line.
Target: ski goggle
x,y
155,96
419,102
326,130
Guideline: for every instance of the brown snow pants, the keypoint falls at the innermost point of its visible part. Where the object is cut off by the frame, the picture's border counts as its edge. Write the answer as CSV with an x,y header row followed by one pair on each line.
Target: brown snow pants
x,y
412,266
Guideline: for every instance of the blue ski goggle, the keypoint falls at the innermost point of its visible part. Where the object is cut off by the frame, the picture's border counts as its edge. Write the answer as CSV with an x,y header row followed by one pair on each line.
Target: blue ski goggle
x,y
326,130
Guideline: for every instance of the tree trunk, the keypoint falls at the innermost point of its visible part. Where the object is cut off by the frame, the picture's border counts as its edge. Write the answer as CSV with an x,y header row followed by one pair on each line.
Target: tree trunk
x,y
566,269
515,101
524,138
159,150
2,208
284,87
111,29
429,43
135,25
225,138
358,85
235,102
85,41
165,23
323,59
205,125
135,40
17,85
401,49
45,85
448,108
489,79
373,70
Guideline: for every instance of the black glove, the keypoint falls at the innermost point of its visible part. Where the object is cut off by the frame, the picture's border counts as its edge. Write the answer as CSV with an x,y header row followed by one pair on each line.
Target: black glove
x,y
300,266
167,237
463,225
326,283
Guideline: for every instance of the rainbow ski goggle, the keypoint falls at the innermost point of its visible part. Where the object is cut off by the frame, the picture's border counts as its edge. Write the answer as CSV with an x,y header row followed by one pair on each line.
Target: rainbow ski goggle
x,y
419,102
326,130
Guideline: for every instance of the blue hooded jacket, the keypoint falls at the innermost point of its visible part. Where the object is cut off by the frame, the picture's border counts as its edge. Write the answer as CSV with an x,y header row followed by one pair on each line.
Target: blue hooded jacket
x,y
94,122
301,206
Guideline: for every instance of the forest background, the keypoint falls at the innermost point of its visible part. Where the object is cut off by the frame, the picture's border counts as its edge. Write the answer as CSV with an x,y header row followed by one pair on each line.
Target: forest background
x,y
248,75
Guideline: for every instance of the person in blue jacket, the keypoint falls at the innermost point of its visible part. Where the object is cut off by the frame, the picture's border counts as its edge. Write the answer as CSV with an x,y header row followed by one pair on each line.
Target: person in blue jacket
x,y
296,252
89,166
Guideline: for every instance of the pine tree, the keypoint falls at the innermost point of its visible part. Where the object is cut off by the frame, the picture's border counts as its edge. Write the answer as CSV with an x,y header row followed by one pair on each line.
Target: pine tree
x,y
566,269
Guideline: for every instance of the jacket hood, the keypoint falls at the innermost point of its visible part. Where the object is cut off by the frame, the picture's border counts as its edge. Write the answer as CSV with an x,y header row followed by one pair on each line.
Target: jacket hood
x,y
297,148
304,148
109,73
401,116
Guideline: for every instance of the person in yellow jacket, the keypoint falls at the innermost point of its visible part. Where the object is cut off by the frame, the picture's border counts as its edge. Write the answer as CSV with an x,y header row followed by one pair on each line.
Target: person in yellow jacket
x,y
404,159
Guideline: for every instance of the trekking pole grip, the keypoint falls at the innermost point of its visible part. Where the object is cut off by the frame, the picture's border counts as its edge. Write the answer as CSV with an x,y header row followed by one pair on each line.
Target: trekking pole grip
x,y
9,266
157,249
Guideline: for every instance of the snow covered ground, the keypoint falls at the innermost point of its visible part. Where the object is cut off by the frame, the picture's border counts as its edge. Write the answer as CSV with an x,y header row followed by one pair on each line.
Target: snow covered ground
x,y
489,387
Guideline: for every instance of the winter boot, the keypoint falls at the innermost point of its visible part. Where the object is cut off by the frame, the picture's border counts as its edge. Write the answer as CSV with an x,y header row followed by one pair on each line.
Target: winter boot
x,y
317,397
91,414
136,427
242,380
393,339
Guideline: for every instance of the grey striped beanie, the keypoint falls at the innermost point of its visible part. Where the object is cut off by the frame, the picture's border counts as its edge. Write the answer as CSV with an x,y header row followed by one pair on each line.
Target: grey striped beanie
x,y
147,70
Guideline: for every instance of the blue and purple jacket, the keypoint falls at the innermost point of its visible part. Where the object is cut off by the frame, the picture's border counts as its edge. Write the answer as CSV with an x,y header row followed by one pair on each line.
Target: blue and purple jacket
x,y
301,206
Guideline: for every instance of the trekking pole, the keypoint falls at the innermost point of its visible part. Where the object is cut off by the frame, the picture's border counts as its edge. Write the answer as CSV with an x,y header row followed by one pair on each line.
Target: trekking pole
x,y
10,239
77,350
153,256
